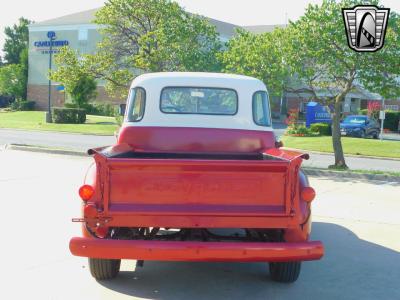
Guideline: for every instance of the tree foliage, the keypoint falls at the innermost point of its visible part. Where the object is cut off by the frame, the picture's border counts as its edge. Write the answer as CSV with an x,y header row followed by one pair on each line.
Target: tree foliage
x,y
146,35
13,81
72,73
311,56
16,41
83,91
317,52
259,56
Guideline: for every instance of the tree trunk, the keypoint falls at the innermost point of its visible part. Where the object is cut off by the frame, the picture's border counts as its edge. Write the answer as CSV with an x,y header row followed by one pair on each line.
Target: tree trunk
x,y
336,136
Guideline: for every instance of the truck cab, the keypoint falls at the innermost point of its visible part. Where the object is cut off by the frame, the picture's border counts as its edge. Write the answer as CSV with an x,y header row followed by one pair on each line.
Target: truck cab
x,y
196,175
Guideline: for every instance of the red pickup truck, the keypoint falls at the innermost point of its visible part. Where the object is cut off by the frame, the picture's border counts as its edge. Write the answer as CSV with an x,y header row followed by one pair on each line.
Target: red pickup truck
x,y
196,175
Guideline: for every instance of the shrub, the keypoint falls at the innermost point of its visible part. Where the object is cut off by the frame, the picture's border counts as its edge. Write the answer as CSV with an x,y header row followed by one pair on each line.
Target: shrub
x,y
392,119
6,101
98,109
101,109
321,128
23,105
373,108
300,131
363,112
292,118
68,115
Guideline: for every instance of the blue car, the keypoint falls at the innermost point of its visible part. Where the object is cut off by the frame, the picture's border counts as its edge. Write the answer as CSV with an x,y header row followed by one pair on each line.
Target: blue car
x,y
359,126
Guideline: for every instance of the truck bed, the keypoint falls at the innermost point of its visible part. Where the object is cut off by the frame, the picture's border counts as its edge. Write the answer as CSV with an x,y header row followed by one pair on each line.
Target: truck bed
x,y
154,186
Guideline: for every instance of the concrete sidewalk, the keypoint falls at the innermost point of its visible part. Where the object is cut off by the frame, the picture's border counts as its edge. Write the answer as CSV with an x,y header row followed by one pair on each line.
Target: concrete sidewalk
x,y
358,222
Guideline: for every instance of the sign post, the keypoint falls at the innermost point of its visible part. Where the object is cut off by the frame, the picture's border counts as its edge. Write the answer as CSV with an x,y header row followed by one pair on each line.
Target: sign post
x,y
382,118
316,113
52,36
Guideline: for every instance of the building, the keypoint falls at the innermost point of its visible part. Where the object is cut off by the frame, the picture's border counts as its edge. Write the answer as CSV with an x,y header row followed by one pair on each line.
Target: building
x,y
78,31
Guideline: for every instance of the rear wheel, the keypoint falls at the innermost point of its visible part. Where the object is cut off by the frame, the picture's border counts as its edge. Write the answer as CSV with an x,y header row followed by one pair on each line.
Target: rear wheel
x,y
285,271
375,135
103,269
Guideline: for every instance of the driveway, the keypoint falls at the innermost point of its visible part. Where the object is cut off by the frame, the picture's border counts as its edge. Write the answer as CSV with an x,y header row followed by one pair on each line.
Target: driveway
x,y
358,222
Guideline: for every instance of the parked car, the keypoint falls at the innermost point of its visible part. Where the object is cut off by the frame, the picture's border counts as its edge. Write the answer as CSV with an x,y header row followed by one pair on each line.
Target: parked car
x,y
196,175
359,126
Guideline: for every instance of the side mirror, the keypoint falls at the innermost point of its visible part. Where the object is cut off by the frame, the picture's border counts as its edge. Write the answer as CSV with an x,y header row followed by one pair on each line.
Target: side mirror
x,y
366,122
121,110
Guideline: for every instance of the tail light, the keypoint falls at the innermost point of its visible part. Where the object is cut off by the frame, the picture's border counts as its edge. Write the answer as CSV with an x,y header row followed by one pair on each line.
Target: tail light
x,y
90,211
307,194
86,192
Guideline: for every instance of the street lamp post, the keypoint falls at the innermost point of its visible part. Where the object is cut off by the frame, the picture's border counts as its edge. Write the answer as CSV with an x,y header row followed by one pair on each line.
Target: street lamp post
x,y
52,36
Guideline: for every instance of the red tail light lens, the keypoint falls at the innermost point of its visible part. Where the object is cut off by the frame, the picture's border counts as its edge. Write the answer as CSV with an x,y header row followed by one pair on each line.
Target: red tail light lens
x,y
90,211
86,192
308,194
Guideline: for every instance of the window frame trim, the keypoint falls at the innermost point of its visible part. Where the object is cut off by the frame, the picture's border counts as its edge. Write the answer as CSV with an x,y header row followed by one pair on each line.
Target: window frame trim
x,y
263,105
199,87
131,107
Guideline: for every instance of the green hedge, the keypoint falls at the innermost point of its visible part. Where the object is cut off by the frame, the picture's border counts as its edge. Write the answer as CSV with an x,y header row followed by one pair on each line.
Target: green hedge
x,y
392,119
321,128
363,112
65,115
23,105
98,109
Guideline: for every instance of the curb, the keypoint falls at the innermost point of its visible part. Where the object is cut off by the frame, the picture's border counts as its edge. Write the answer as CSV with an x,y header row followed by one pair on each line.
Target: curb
x,y
309,171
350,175
30,148
346,155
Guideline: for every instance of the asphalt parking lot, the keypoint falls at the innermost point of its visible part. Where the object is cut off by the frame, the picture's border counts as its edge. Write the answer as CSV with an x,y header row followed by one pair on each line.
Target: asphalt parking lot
x,y
358,221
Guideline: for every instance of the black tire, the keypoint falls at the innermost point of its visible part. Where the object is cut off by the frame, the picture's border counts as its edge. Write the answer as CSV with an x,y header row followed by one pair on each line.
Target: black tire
x,y
376,135
285,271
362,134
104,269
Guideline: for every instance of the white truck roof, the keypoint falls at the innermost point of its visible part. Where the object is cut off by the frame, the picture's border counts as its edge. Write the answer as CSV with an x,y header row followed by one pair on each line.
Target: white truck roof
x,y
153,83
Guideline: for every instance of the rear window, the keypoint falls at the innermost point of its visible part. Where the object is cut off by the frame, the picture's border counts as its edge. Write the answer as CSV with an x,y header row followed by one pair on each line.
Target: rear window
x,y
199,100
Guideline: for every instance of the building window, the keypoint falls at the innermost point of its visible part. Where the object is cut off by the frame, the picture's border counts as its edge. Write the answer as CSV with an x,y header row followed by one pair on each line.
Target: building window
x,y
82,34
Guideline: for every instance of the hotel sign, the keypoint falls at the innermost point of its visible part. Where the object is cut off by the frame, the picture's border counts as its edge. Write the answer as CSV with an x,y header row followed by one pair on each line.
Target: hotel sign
x,y
44,46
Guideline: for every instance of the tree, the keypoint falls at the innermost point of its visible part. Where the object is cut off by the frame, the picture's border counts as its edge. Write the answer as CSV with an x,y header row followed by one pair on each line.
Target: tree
x,y
73,75
317,52
83,91
145,36
259,56
16,41
13,81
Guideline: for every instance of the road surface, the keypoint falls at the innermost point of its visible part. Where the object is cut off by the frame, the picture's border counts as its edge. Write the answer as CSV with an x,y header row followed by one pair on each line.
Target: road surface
x,y
357,221
80,142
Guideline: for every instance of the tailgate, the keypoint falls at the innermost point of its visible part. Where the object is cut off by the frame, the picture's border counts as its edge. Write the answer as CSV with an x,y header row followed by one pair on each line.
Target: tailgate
x,y
197,186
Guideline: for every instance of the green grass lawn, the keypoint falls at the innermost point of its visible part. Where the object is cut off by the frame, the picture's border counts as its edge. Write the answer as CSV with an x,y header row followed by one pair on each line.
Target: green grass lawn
x,y
355,146
35,120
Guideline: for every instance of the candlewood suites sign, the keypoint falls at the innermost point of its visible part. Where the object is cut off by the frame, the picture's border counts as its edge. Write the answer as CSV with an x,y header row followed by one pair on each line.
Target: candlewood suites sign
x,y
44,45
